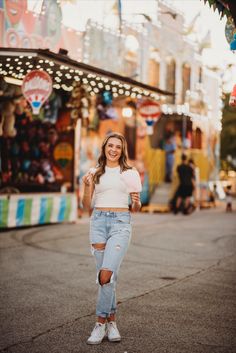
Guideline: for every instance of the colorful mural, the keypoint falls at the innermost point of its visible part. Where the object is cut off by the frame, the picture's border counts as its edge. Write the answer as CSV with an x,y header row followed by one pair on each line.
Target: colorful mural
x,y
20,28
22,210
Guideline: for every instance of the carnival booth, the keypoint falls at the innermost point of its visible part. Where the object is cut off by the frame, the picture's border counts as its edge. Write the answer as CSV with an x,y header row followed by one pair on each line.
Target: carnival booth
x,y
48,104
38,148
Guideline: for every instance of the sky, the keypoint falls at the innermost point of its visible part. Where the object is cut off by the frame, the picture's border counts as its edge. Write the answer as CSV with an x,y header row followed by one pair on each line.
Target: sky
x,y
219,55
208,20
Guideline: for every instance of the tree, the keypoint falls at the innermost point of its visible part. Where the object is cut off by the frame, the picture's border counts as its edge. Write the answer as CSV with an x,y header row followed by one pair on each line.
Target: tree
x,y
228,133
225,7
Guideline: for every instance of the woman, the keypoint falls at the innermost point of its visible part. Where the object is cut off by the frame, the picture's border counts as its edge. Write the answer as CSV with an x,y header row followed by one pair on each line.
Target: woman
x,y
169,147
110,228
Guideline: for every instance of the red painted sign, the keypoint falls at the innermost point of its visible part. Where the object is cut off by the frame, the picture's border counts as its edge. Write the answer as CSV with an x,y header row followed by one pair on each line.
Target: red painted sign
x,y
150,109
37,87
232,98
15,10
22,28
151,112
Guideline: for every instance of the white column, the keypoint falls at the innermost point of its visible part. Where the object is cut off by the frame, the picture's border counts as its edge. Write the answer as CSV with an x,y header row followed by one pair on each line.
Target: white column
x,y
163,70
178,82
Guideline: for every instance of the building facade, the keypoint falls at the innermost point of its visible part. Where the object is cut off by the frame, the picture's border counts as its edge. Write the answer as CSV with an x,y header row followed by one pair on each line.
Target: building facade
x,y
154,50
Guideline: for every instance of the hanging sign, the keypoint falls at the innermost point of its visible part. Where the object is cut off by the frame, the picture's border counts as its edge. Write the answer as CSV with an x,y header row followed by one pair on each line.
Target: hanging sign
x,y
151,112
37,87
232,98
63,154
150,109
230,30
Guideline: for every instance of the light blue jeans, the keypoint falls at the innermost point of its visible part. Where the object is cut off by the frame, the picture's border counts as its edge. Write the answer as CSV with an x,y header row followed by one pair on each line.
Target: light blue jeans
x,y
114,230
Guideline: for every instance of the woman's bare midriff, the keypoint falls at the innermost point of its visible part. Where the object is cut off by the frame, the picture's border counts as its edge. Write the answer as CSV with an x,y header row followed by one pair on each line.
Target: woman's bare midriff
x,y
112,209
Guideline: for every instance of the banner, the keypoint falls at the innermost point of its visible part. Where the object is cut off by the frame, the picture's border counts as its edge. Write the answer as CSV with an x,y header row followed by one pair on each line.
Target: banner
x,y
37,87
20,28
22,210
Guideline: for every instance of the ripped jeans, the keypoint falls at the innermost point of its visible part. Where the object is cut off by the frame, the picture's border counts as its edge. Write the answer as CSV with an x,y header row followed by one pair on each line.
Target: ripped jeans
x,y
114,230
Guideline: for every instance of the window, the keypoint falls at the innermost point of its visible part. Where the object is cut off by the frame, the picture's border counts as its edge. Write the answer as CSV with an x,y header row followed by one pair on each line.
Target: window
x,y
197,138
200,74
154,69
131,57
170,79
186,77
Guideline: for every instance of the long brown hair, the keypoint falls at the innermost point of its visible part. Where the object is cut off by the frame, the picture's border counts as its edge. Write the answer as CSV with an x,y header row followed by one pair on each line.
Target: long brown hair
x,y
102,158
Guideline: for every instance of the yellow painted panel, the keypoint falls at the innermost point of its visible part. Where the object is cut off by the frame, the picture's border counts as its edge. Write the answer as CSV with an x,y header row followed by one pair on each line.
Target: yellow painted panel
x,y
155,164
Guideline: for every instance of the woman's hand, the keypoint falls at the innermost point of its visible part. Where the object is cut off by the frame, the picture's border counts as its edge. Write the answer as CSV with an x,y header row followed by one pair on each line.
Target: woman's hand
x,y
88,190
88,179
135,200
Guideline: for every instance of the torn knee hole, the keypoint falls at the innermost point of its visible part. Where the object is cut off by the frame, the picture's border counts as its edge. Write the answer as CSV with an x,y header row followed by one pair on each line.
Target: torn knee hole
x,y
105,277
98,247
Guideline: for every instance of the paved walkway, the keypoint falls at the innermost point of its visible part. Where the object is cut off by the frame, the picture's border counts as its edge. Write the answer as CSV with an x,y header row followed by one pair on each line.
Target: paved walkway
x,y
176,290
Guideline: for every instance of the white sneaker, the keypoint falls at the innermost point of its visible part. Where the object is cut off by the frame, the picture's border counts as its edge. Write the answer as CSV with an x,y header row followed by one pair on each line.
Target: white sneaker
x,y
98,333
113,334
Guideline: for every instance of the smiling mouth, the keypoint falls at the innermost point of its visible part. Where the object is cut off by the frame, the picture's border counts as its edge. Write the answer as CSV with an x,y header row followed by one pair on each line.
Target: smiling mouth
x,y
13,12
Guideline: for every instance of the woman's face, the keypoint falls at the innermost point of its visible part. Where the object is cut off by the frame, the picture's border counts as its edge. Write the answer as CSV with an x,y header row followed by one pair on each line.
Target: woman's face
x,y
113,150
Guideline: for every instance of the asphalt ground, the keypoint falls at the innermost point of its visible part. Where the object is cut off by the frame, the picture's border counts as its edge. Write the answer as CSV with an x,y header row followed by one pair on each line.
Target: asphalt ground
x,y
176,288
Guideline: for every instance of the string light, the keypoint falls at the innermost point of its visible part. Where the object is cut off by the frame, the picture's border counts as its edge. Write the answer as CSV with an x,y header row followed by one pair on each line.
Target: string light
x,y
64,76
56,86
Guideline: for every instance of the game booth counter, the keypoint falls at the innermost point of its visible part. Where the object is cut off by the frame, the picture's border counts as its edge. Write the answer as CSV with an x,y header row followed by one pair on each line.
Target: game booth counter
x,y
48,104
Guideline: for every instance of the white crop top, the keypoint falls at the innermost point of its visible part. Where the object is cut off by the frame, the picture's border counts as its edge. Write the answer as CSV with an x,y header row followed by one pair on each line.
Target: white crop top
x,y
111,190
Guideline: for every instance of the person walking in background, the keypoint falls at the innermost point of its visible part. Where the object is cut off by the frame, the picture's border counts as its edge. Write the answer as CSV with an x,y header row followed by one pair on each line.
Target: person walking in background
x,y
193,197
228,199
169,147
196,190
111,182
213,196
192,165
186,185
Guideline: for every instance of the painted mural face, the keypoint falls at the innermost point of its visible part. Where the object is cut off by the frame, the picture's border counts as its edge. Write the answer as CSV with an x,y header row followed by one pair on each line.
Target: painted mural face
x,y
15,9
52,19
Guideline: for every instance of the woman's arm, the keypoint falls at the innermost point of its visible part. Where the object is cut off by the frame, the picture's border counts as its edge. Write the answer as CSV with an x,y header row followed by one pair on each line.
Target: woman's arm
x,y
135,201
88,190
